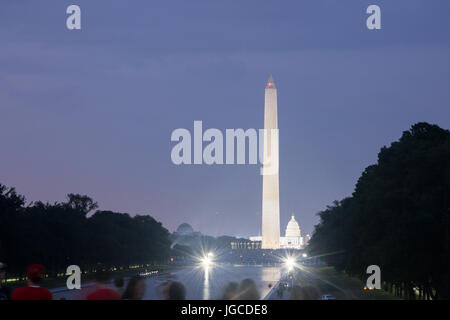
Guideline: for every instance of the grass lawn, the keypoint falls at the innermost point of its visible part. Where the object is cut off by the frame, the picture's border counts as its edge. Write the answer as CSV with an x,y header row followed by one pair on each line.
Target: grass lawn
x,y
329,281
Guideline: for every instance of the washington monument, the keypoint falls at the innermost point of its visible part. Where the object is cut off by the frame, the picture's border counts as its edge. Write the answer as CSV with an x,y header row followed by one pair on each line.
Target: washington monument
x,y
271,193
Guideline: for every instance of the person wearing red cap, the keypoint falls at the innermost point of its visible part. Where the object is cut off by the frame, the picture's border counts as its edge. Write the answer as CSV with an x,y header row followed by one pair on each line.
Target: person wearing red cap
x,y
33,291
5,292
102,290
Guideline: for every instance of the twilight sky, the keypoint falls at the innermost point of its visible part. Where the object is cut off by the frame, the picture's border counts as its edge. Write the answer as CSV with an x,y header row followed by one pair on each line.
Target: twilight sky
x,y
92,111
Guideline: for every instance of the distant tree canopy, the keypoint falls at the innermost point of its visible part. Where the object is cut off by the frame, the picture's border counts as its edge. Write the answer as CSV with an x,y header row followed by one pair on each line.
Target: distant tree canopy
x,y
397,218
196,244
58,235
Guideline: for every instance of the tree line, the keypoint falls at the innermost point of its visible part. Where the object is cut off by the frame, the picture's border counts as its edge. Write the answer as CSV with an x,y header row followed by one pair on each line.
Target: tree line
x,y
61,234
398,218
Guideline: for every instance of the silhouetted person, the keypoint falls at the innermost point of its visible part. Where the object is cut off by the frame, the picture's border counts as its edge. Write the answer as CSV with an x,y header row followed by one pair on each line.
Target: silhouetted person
x,y
304,293
174,290
296,293
248,290
135,289
280,290
231,291
33,291
5,292
119,284
102,291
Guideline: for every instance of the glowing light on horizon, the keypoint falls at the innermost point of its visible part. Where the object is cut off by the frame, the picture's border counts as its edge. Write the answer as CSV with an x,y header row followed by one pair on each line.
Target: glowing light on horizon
x,y
290,263
207,260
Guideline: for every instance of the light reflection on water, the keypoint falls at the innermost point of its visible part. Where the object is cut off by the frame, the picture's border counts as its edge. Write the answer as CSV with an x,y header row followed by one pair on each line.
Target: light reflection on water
x,y
270,274
214,280
204,283
206,291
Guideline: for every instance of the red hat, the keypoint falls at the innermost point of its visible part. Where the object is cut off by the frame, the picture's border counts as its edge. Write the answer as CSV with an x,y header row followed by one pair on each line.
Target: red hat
x,y
36,272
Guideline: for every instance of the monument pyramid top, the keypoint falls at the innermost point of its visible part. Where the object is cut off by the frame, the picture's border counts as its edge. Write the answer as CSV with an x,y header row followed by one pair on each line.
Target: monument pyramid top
x,y
270,82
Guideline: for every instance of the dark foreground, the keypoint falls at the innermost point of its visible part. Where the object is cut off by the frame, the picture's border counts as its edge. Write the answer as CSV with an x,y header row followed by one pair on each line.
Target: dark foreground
x,y
209,283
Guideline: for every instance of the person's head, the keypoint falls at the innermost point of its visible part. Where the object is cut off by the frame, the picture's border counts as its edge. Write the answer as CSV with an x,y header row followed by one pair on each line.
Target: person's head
x,y
248,290
135,289
119,282
174,290
304,293
3,267
231,291
296,293
102,275
35,273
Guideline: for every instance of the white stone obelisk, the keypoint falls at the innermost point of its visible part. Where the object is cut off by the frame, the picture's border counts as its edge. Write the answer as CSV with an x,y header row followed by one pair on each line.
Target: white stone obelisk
x,y
271,193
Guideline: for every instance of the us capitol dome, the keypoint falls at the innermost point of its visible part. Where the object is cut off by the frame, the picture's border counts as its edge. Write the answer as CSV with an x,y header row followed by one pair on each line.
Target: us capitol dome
x,y
292,238
184,229
293,229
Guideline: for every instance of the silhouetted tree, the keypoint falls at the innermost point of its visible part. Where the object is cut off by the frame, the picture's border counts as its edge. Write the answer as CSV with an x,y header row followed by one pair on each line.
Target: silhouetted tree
x,y
398,217
60,234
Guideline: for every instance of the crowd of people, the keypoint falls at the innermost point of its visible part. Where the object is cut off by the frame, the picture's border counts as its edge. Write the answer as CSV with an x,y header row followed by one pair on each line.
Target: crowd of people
x,y
106,288
103,290
135,289
32,291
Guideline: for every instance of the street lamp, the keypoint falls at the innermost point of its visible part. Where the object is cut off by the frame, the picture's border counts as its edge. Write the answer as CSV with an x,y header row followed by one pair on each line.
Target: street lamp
x,y
207,260
290,263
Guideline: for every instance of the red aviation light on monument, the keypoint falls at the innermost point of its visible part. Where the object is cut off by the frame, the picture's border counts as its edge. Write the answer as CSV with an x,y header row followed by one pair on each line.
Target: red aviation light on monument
x,y
270,82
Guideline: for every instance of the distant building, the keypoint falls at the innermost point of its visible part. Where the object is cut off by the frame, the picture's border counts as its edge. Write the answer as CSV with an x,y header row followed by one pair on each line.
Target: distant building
x,y
307,238
184,229
293,238
186,236
248,245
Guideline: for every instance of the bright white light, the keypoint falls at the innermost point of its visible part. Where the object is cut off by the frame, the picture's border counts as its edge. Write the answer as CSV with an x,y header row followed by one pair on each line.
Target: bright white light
x,y
206,261
290,262
304,255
